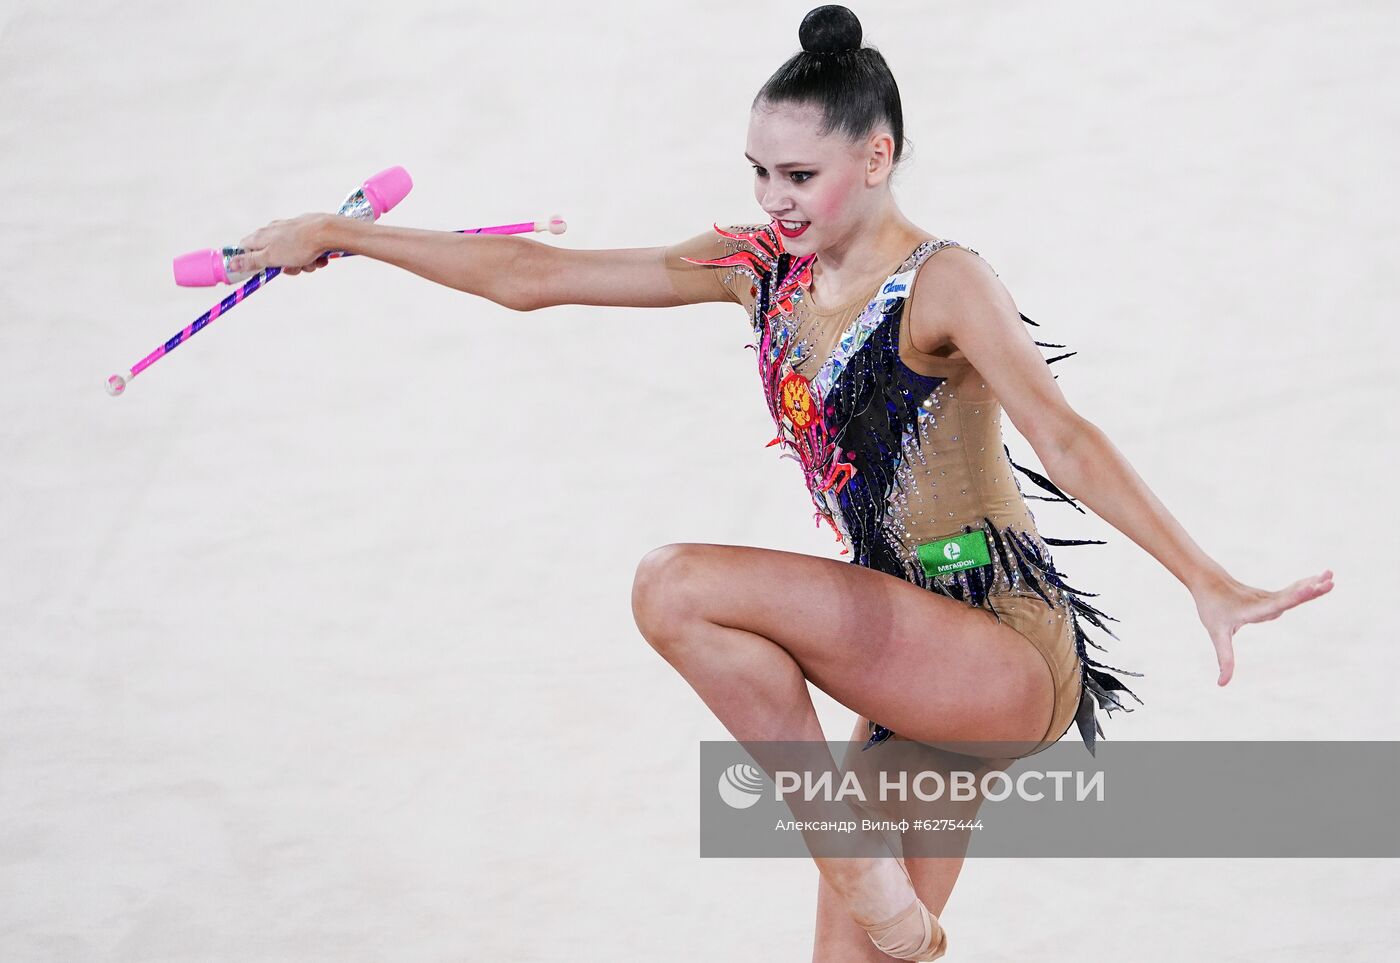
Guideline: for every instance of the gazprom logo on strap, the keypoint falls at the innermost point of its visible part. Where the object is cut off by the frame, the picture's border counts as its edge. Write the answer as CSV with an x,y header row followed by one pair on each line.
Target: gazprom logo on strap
x,y
897,285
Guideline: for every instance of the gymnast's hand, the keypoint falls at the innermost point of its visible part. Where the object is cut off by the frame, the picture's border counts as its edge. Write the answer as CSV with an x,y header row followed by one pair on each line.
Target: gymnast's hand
x,y
1227,604
294,246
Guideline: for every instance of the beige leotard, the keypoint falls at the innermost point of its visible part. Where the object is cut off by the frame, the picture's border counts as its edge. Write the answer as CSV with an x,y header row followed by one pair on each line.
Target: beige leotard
x,y
902,451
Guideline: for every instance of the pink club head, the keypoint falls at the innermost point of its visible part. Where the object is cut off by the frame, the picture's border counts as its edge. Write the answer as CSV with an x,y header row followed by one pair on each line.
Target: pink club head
x,y
385,189
200,269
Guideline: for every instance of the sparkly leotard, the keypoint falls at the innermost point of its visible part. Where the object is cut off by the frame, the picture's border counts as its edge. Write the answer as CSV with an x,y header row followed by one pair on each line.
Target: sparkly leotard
x,y
902,454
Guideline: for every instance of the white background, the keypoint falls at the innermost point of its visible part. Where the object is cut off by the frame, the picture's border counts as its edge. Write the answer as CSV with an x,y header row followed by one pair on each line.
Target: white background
x,y
317,643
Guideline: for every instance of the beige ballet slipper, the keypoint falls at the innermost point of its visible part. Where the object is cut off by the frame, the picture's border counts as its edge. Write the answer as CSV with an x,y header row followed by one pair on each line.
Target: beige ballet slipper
x,y
911,934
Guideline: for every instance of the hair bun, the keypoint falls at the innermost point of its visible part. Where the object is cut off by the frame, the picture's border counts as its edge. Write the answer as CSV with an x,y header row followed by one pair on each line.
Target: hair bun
x,y
830,29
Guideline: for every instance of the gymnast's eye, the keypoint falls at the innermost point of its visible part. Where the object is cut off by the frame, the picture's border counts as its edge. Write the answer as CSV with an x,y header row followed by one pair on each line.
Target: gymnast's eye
x,y
804,175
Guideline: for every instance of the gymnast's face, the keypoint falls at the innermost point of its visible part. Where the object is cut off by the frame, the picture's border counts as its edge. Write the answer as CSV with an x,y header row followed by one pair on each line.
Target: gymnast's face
x,y
828,184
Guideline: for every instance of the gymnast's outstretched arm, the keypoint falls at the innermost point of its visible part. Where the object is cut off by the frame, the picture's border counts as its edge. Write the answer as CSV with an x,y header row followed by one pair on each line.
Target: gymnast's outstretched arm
x,y
512,270
959,298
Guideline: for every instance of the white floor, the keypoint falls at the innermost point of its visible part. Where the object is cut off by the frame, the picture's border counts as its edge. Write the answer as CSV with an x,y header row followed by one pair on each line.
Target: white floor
x,y
317,643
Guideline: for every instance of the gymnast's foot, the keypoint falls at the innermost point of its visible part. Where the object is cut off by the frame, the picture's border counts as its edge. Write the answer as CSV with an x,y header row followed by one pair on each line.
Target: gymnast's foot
x,y
881,899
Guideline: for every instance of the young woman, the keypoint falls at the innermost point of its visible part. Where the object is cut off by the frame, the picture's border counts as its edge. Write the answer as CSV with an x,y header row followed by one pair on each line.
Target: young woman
x,y
887,355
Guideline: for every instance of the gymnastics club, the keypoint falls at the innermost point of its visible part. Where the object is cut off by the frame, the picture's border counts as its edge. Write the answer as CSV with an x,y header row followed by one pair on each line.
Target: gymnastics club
x,y
116,384
369,202
376,196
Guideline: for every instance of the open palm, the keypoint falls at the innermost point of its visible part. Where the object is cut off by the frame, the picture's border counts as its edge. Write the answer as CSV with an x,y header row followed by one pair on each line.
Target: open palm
x,y
1224,607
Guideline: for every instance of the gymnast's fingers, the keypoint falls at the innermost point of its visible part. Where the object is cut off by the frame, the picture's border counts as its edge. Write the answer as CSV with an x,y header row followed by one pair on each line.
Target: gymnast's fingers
x,y
249,260
1224,653
254,240
320,262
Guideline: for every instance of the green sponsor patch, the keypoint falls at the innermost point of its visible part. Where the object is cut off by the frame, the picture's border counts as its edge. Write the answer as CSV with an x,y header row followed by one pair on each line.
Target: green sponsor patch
x,y
955,553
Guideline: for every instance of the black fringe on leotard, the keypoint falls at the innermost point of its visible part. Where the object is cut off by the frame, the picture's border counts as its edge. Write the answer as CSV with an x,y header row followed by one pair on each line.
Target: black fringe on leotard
x,y
1020,558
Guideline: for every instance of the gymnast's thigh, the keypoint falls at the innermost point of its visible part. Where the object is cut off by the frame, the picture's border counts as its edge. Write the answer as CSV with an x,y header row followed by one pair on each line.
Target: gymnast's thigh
x,y
922,664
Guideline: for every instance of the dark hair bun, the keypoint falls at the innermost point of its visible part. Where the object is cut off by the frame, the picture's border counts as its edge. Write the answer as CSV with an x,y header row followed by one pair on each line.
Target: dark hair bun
x,y
830,29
